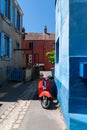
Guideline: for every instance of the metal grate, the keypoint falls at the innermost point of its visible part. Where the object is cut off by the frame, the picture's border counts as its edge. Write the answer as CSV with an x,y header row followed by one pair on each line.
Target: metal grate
x,y
14,74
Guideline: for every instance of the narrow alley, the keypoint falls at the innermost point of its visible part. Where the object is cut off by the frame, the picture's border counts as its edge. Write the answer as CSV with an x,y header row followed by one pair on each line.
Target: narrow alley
x,y
23,111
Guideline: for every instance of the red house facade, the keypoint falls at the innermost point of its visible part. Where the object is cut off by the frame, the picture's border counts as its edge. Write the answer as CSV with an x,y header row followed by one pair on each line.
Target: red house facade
x,y
35,46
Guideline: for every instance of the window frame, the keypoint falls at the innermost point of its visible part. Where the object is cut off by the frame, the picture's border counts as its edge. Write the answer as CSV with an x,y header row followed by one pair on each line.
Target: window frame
x,y
30,45
57,51
17,45
7,9
18,20
6,45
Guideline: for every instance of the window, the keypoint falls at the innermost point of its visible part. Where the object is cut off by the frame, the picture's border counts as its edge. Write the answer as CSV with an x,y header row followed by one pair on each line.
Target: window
x,y
18,20
57,51
30,45
52,46
5,45
17,46
7,8
55,2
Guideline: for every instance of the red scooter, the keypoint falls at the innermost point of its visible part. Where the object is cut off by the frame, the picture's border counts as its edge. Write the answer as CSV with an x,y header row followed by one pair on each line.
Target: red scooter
x,y
44,92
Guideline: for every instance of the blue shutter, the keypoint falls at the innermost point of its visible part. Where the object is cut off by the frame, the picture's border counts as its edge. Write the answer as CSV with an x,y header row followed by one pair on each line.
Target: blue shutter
x,y
2,4
11,10
2,44
10,48
20,23
15,18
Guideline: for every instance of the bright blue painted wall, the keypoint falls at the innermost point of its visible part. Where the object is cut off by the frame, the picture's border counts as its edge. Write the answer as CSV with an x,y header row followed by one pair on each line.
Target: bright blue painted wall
x,y
78,95
77,84
62,66
78,28
78,122
71,30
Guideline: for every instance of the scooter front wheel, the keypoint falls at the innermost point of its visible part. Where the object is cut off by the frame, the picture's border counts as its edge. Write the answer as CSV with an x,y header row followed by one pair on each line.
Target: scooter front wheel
x,y
45,102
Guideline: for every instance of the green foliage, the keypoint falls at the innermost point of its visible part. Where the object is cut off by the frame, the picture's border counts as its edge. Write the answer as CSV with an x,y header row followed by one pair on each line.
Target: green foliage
x,y
51,56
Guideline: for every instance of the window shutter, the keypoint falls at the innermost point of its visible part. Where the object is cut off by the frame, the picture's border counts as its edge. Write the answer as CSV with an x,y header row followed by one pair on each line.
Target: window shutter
x,y
20,23
2,4
2,44
10,48
11,10
15,18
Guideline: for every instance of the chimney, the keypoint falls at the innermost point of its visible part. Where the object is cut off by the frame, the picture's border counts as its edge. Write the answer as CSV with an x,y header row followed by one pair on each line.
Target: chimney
x,y
23,33
45,29
23,30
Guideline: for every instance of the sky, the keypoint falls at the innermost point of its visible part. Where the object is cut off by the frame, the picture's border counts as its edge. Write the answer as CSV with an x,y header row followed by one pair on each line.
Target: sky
x,y
37,14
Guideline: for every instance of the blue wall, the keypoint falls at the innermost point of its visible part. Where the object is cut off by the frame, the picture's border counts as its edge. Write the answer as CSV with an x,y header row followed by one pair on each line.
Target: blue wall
x,y
78,95
78,28
77,84
62,64
71,32
78,122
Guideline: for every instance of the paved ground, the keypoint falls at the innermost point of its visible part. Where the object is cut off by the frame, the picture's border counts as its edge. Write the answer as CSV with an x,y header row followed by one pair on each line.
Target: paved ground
x,y
38,118
21,110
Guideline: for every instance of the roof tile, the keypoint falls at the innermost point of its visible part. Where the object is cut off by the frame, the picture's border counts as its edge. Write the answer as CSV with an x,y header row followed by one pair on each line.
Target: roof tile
x,y
40,36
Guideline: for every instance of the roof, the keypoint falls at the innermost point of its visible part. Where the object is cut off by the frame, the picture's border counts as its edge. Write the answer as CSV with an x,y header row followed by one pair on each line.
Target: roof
x,y
40,36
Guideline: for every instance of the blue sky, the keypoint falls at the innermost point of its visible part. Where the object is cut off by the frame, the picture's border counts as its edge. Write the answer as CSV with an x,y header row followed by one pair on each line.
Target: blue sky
x,y
37,14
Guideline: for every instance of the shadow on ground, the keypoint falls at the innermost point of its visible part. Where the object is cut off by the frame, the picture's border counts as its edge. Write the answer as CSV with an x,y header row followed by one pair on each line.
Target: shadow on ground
x,y
13,91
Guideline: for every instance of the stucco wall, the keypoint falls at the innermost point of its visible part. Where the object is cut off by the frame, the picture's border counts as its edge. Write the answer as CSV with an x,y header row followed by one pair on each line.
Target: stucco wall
x,y
71,29
40,49
78,28
62,67
18,58
28,73
78,54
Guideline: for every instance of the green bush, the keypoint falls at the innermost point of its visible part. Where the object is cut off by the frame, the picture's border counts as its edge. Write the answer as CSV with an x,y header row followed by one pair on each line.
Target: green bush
x,y
51,56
